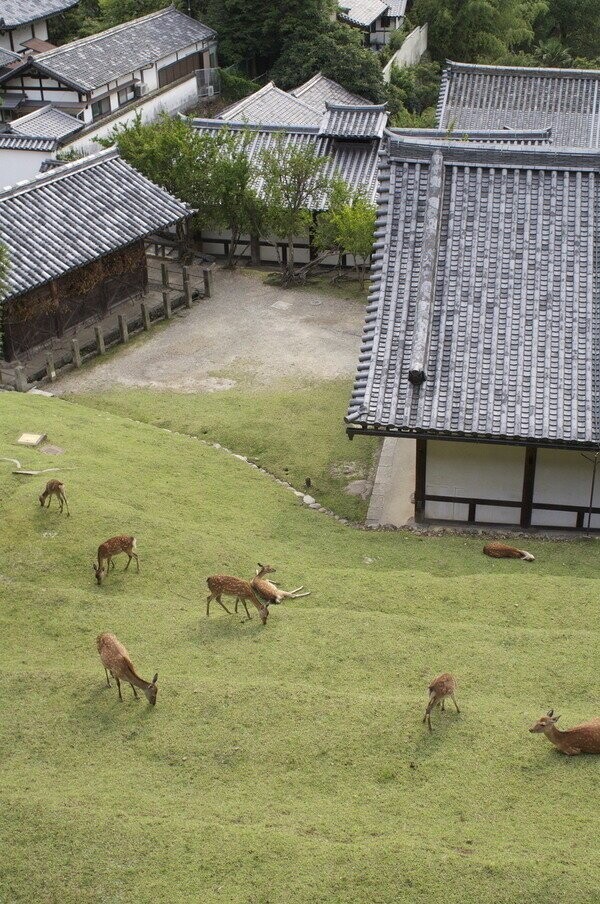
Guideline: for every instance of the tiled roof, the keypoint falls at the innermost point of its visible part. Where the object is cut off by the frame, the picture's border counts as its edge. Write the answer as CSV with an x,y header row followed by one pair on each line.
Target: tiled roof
x,y
341,121
485,285
20,12
94,61
356,164
271,106
362,12
397,8
65,218
492,97
11,142
489,136
7,56
49,122
318,91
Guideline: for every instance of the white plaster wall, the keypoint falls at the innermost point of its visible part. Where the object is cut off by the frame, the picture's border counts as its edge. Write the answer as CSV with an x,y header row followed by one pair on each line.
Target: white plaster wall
x,y
564,478
18,165
410,53
212,243
24,33
172,101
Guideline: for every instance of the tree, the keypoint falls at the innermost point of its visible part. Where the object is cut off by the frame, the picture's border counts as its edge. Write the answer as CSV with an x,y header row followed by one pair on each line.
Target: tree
x,y
412,93
477,30
348,227
339,54
293,180
575,23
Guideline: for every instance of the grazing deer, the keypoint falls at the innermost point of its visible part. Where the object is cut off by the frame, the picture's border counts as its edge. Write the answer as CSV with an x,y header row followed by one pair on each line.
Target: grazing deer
x,y
270,592
500,551
111,548
55,488
225,585
441,687
584,738
115,660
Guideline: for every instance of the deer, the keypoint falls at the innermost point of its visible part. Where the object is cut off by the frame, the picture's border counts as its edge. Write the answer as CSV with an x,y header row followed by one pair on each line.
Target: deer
x,y
115,660
111,548
500,551
226,585
441,687
270,592
55,488
584,738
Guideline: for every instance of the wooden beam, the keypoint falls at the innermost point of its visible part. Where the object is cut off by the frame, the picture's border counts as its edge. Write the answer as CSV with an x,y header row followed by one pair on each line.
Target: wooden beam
x,y
420,479
528,485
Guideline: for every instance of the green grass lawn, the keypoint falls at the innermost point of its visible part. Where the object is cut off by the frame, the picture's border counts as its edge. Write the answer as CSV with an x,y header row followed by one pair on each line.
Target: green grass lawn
x,y
293,431
286,764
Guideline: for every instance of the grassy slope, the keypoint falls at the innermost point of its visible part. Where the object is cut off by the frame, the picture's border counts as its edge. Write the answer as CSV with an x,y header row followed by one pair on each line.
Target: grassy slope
x,y
309,439
285,764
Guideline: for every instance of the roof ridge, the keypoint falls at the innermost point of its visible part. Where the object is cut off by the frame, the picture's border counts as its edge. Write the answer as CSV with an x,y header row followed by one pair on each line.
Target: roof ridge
x,y
371,108
54,175
523,70
255,126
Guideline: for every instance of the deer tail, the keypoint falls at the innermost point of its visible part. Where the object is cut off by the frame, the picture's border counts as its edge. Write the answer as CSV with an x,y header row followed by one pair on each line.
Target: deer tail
x,y
527,557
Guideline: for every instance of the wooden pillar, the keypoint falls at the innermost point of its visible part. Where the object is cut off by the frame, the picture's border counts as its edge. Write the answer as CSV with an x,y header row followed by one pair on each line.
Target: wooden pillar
x,y
528,485
255,250
145,316
166,305
99,340
187,289
123,329
50,368
76,352
420,479
165,275
21,384
208,282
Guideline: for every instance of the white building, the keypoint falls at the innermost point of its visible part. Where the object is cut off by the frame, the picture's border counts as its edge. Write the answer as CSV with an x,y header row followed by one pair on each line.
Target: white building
x,y
375,18
146,65
24,23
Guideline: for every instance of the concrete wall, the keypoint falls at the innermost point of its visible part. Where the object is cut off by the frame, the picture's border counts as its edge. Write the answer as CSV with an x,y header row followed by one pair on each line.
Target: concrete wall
x,y
18,165
410,53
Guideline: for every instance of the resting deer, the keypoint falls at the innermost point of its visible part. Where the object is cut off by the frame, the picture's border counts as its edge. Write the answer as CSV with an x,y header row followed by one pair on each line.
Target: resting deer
x,y
111,548
584,738
441,687
500,551
226,585
115,660
270,592
55,488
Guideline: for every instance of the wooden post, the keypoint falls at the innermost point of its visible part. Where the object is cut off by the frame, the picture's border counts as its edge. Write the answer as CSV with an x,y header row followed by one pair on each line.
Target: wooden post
x,y
420,479
528,485
20,378
208,282
76,352
50,369
123,328
165,275
145,316
99,340
167,305
187,289
255,250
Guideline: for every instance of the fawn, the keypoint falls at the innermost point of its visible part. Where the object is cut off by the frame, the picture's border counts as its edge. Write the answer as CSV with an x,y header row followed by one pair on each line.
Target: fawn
x,y
111,548
55,488
226,585
500,551
115,660
584,738
441,687
268,591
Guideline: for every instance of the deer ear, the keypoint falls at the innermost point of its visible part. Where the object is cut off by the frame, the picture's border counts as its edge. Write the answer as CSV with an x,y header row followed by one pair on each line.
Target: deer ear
x,y
550,712
155,679
556,718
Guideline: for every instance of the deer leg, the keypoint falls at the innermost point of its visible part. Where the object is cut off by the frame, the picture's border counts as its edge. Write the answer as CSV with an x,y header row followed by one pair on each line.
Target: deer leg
x,y
119,688
135,693
64,498
137,561
107,681
49,500
455,703
129,561
246,608
208,599
444,706
222,604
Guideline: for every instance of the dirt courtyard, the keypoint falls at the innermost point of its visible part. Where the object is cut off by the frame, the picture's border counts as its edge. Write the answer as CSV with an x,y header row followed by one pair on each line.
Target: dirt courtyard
x,y
246,332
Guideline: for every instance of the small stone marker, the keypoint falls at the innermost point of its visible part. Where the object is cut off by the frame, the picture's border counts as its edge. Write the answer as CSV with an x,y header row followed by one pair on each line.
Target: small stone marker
x,y
31,439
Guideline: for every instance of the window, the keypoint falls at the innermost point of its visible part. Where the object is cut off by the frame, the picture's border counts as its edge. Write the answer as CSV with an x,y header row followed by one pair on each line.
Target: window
x,y
385,21
101,108
179,69
125,95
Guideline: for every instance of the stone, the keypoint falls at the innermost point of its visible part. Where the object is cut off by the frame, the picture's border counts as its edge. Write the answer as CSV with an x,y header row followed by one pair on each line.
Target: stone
x,y
308,500
358,488
314,505
31,439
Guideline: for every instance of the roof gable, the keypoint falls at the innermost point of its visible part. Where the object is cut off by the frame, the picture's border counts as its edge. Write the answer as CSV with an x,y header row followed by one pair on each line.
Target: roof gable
x,y
272,106
20,12
354,122
49,122
319,90
362,12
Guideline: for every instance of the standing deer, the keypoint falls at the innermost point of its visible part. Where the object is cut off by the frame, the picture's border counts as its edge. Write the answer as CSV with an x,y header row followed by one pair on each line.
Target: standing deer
x,y
55,488
584,738
115,660
270,592
441,687
111,548
500,551
226,585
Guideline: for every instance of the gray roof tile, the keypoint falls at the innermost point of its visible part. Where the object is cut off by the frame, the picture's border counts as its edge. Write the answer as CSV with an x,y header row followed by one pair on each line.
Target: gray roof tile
x,y
362,12
270,106
489,136
360,122
484,280
20,12
492,97
94,61
49,122
76,213
318,91
12,142
7,56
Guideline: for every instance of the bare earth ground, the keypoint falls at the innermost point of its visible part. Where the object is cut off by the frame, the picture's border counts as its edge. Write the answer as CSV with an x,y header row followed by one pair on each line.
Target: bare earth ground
x,y
248,331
